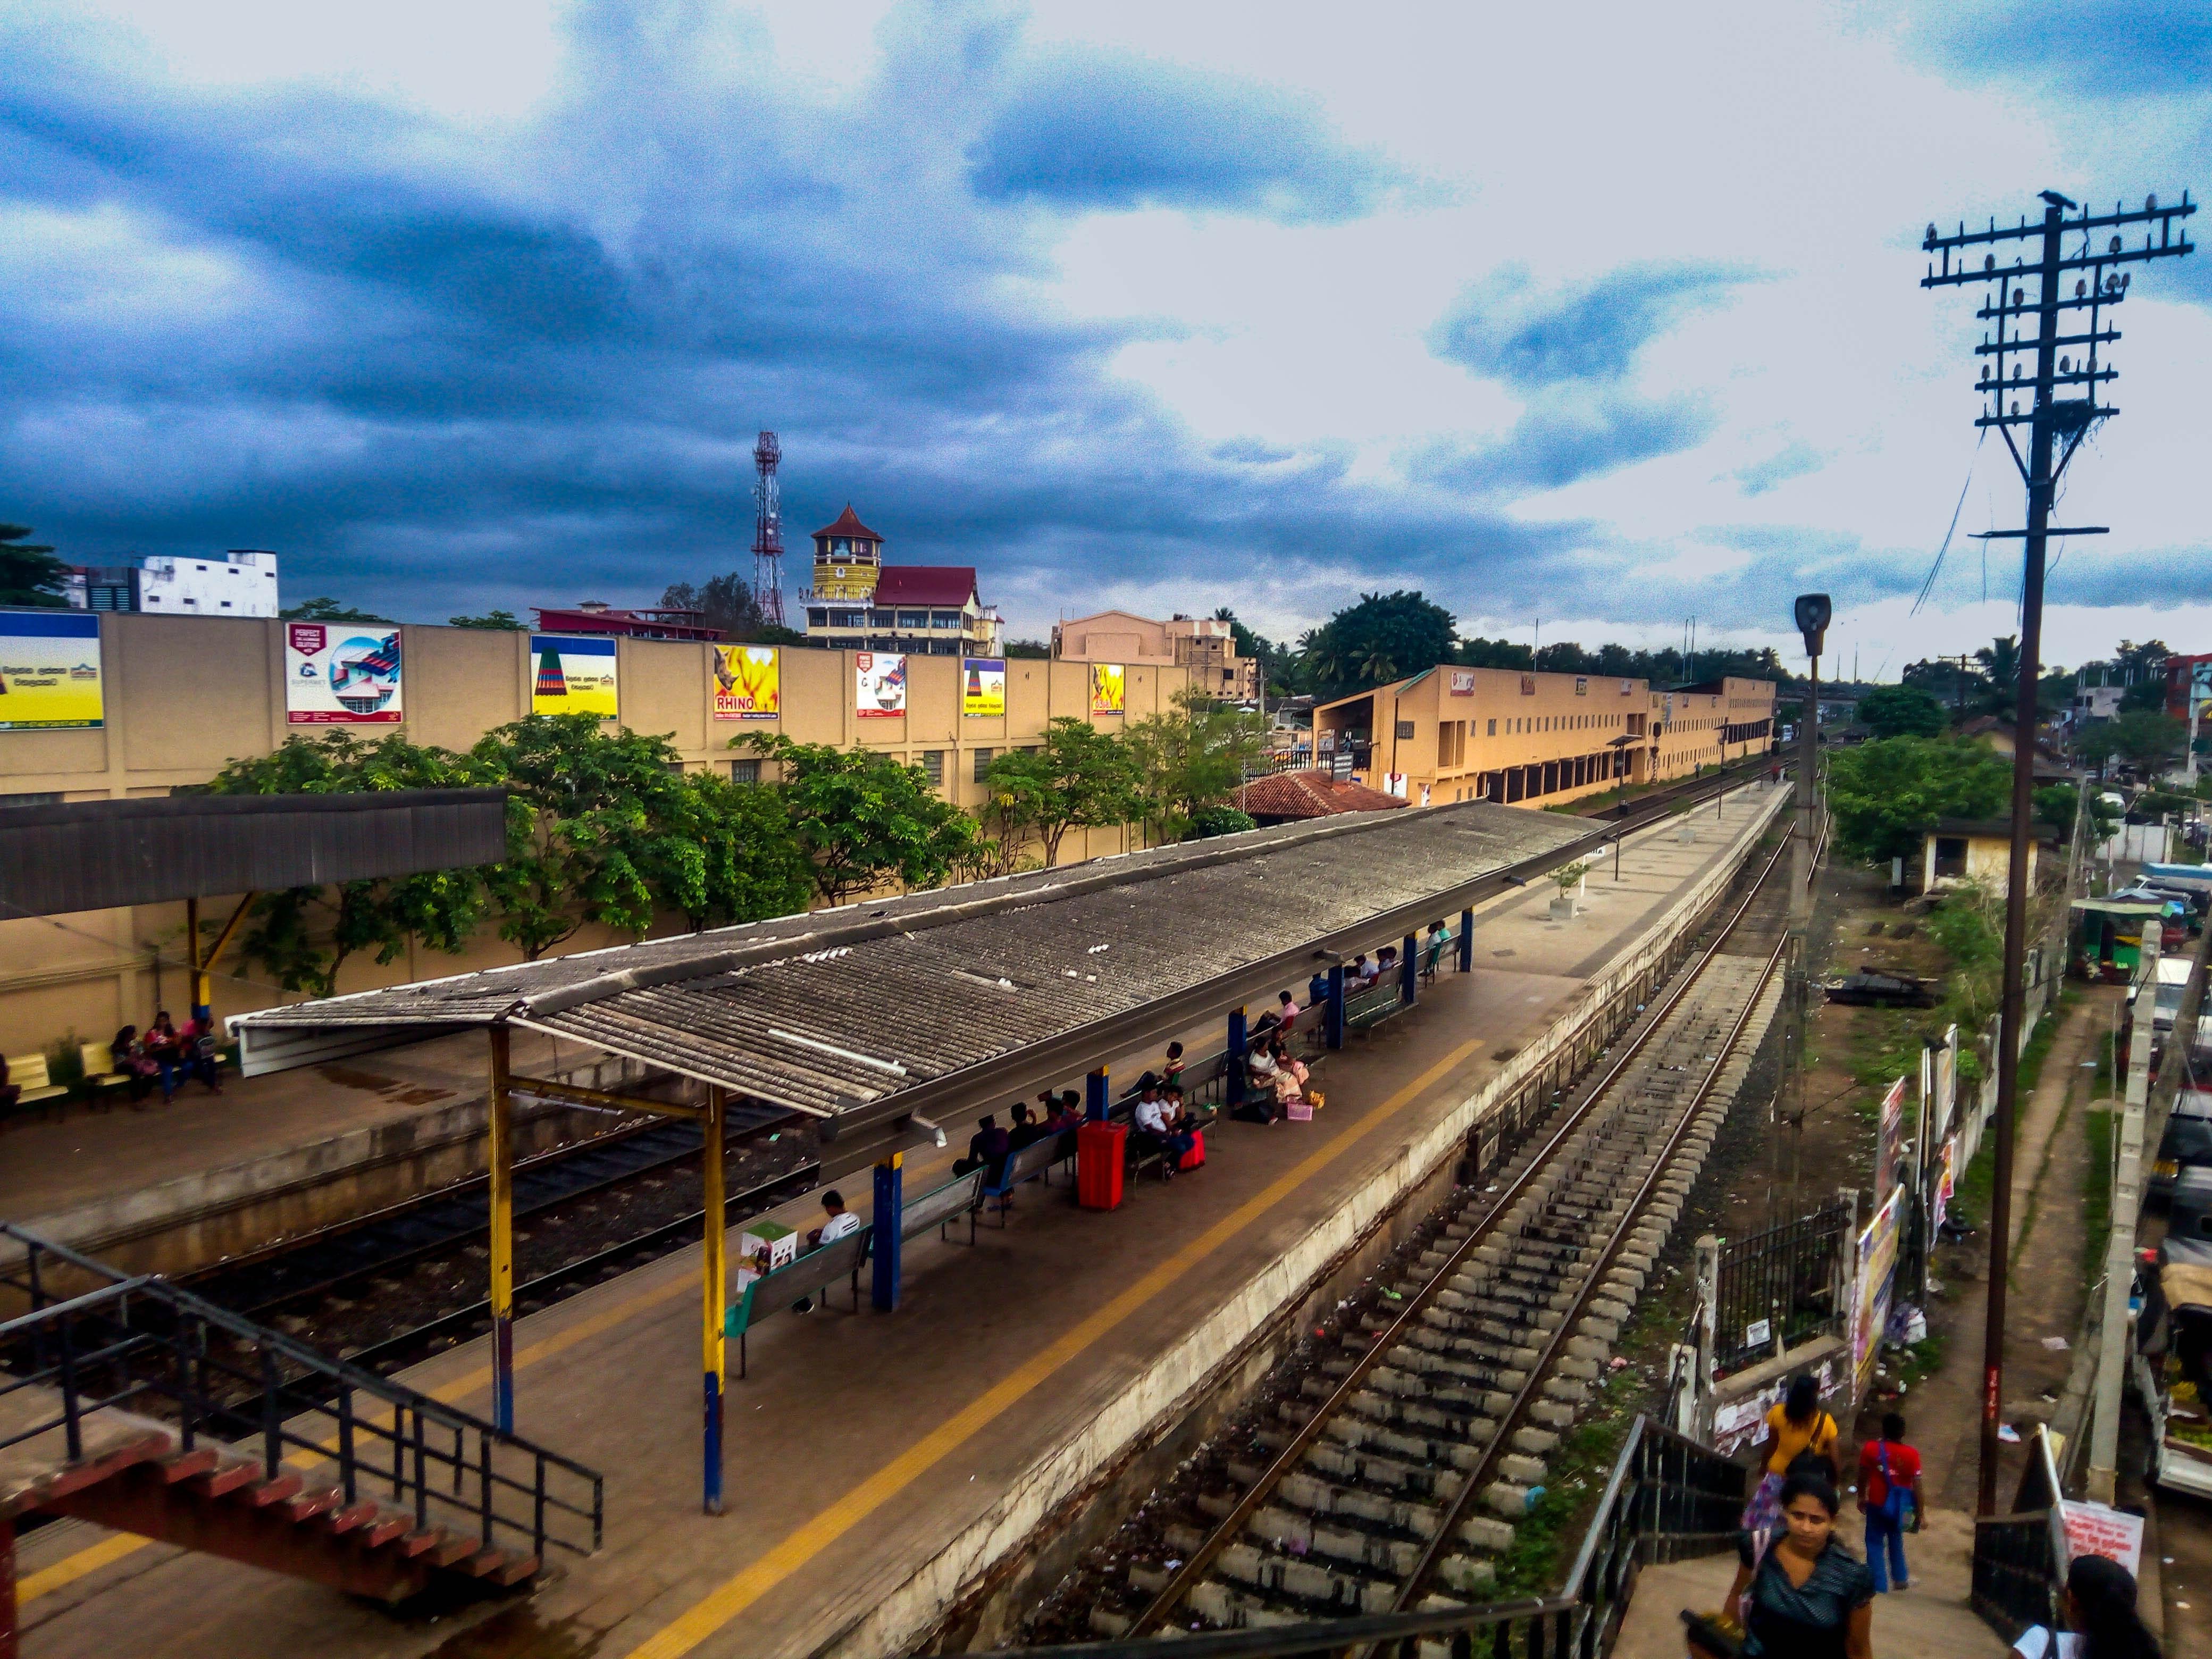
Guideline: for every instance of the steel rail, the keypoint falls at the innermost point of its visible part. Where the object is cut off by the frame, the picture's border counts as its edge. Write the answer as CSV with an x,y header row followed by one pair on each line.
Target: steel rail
x,y
1188,1575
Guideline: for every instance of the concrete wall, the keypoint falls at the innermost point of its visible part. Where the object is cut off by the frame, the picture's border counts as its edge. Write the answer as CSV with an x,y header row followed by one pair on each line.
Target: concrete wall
x,y
186,694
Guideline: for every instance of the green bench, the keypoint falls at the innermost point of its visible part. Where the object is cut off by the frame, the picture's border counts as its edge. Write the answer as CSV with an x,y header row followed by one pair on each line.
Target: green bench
x,y
812,1274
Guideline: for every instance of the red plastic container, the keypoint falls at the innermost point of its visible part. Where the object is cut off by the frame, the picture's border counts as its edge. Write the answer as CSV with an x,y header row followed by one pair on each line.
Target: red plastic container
x,y
1098,1150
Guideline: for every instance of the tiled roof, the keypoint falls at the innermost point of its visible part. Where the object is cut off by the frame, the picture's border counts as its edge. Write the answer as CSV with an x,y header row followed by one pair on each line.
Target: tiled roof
x,y
926,584
1312,794
848,524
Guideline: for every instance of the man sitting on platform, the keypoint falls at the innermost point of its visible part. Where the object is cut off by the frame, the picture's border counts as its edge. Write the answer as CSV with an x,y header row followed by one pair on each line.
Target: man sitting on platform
x,y
986,1150
1159,1128
1026,1130
837,1222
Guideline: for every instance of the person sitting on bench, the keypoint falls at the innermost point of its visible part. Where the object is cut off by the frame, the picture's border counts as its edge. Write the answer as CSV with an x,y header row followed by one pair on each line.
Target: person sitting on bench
x,y
1026,1130
1263,1076
1286,1013
836,1222
1173,1069
1157,1129
986,1150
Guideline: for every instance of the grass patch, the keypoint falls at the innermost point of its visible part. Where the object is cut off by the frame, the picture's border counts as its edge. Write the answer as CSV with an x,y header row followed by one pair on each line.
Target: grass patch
x,y
1921,1360
1576,1471
2097,1192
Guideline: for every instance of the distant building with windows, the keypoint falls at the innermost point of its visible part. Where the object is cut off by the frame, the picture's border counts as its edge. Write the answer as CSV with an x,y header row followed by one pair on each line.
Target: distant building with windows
x,y
595,617
241,583
1204,645
858,603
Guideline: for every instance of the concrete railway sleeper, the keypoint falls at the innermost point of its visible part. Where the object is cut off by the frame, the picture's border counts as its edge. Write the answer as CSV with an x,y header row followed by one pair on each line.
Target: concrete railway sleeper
x,y
1399,1469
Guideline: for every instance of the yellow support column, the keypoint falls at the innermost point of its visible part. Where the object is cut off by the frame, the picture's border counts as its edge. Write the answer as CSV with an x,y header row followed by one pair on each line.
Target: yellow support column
x,y
502,1235
713,1298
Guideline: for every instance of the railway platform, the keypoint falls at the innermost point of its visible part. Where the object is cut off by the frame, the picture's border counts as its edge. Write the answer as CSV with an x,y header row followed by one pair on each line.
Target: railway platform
x,y
879,1465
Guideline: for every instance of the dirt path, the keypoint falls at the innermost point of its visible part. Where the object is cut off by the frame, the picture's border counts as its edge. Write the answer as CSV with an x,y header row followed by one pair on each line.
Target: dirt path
x,y
2049,1281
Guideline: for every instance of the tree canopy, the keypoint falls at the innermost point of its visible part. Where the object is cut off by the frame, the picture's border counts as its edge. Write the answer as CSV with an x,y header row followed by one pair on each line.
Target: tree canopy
x,y
1078,778
861,818
726,602
1885,795
1190,759
1902,711
30,575
2146,740
326,608
496,621
1385,637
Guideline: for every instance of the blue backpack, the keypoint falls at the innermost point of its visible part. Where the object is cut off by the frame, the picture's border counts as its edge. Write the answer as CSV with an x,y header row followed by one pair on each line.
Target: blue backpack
x,y
1896,1501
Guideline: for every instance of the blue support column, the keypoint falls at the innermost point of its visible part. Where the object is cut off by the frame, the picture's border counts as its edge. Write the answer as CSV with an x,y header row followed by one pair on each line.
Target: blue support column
x,y
1232,1081
1095,1097
1409,969
1333,1023
885,1244
1466,940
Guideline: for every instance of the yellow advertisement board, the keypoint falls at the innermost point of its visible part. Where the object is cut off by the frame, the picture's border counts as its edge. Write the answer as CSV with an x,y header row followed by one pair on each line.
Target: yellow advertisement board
x,y
50,671
1109,688
573,674
983,686
748,683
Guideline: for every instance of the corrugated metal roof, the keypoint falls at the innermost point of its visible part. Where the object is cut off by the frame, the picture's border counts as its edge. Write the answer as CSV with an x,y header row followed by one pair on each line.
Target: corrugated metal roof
x,y
878,1009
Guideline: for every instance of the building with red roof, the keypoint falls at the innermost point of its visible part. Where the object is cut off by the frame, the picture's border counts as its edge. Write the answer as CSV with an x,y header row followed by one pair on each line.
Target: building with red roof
x,y
1294,797
858,603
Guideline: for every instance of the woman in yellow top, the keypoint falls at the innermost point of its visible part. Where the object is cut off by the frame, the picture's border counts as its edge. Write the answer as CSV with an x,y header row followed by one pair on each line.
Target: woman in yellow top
x,y
1793,1427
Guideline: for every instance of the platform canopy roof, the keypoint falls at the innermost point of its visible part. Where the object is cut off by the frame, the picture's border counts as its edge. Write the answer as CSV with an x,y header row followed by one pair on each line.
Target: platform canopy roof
x,y
876,1012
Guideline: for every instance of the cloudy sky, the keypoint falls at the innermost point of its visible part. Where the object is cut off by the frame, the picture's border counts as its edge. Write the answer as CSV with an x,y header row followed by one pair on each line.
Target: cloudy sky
x,y
1604,314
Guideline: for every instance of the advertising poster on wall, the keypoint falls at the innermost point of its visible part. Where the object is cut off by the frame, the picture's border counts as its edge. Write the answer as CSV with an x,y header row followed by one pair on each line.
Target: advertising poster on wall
x,y
878,685
49,672
575,674
340,676
1109,687
1946,1183
1870,1289
982,687
1946,1083
1462,682
1889,1148
748,683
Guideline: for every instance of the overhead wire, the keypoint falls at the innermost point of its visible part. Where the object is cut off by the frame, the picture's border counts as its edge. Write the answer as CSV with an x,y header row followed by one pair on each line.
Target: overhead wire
x,y
1936,569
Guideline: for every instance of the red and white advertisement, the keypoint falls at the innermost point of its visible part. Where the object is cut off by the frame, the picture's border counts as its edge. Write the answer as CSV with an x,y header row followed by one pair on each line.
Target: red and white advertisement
x,y
2093,1529
343,674
1462,682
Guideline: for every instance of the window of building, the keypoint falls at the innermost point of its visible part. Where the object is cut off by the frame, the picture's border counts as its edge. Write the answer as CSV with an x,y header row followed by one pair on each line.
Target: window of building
x,y
744,771
932,767
849,619
33,798
1493,728
880,619
817,616
1405,729
914,619
1950,855
982,763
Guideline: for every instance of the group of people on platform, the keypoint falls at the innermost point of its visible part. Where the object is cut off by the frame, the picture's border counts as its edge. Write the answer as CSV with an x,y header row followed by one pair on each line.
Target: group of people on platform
x,y
166,1055
1800,1594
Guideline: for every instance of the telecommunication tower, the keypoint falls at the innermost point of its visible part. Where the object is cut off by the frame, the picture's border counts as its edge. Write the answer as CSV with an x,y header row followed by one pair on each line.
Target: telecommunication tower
x,y
768,531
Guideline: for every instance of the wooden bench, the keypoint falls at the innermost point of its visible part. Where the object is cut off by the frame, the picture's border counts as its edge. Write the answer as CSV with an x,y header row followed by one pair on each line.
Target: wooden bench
x,y
100,1073
812,1274
29,1073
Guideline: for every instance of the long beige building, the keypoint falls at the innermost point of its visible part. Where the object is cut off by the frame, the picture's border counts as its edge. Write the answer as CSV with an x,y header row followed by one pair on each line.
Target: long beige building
x,y
1500,734
177,697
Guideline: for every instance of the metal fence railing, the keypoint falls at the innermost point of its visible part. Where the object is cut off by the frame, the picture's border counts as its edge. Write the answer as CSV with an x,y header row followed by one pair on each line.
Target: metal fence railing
x,y
2020,1559
1778,1288
142,1344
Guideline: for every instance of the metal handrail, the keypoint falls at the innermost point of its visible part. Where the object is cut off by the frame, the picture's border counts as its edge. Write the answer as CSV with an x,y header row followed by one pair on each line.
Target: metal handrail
x,y
139,1337
1648,1511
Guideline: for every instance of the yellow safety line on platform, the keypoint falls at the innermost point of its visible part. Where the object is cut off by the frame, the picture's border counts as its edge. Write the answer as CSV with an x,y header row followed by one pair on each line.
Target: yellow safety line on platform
x,y
734,1595
70,1569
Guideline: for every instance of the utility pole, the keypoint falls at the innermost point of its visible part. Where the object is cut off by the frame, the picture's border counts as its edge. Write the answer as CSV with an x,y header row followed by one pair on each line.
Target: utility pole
x,y
1812,613
2021,292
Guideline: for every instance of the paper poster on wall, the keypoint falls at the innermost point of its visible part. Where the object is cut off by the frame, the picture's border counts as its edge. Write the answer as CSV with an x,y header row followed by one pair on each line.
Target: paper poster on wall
x,y
341,675
748,683
1889,1145
983,686
49,672
575,674
878,685
2099,1530
1109,688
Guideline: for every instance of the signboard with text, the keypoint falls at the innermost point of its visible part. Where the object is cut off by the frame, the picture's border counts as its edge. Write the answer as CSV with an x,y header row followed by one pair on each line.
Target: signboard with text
x,y
982,687
748,683
1871,1286
1109,688
573,674
340,674
878,685
50,672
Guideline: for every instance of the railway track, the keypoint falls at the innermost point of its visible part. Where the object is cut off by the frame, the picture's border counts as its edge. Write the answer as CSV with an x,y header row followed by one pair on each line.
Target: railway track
x,y
1393,1480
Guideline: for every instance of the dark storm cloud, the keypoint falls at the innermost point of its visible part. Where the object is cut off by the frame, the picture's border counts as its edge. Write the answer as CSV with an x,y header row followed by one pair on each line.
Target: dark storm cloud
x,y
1502,330
1100,129
2118,49
1566,434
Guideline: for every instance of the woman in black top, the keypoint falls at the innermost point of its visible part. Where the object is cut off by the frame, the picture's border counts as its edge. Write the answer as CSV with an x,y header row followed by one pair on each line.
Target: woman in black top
x,y
1808,1596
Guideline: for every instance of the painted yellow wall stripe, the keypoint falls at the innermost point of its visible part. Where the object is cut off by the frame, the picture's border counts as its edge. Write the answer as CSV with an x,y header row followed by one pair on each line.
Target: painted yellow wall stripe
x,y
734,1595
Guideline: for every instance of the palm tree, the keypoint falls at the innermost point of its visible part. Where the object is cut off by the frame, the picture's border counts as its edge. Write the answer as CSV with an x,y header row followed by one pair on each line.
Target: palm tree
x,y
2000,661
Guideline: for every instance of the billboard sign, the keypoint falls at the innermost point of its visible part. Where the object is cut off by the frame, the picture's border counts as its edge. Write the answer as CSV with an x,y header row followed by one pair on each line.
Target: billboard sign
x,y
879,685
1581,685
340,676
1889,1148
982,687
50,672
748,683
1462,682
573,674
1109,688
1870,1290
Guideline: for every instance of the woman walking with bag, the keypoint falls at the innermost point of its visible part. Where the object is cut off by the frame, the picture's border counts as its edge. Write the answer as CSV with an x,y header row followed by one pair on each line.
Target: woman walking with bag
x,y
1793,1427
1798,1594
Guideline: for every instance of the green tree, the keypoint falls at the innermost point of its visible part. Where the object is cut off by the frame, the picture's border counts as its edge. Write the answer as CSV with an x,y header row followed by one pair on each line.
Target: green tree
x,y
1902,711
726,602
1885,795
30,575
2144,696
2057,804
863,820
1077,778
602,828
500,621
1495,653
1210,821
776,633
1027,650
2149,742
751,866
326,608
1385,637
1191,758
303,935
